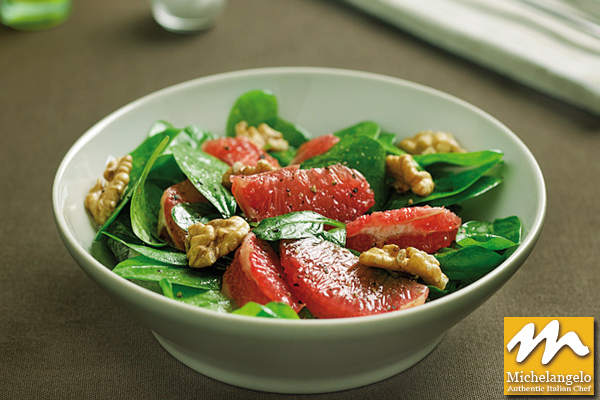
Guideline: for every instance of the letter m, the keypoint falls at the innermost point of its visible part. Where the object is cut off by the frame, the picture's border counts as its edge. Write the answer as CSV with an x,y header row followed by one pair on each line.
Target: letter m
x,y
553,345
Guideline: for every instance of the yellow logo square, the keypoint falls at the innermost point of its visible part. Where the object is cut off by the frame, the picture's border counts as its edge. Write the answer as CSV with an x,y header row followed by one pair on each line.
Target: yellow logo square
x,y
549,356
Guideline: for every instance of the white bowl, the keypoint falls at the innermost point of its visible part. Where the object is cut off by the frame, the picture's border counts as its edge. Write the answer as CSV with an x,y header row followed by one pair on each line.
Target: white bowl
x,y
299,356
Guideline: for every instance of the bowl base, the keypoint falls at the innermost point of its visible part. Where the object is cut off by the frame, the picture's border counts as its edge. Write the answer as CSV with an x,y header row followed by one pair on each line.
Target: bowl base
x,y
295,384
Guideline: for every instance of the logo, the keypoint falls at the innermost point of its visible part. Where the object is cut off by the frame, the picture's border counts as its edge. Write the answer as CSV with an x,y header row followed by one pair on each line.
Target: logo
x,y
549,356
550,333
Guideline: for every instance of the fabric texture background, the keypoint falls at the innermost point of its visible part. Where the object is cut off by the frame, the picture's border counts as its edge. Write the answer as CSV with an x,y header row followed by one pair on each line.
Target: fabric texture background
x,y
62,337
556,53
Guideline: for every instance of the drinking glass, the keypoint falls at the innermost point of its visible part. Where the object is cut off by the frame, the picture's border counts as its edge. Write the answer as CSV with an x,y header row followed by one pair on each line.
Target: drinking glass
x,y
187,16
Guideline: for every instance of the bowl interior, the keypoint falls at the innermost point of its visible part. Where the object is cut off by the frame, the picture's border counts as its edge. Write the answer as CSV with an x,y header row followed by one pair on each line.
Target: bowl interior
x,y
320,100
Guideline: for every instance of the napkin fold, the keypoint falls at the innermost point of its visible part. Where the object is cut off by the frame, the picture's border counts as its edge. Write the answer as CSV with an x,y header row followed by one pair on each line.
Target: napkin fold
x,y
550,45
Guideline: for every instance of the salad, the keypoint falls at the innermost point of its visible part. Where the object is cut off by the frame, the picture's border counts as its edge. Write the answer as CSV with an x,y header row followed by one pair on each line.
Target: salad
x,y
270,221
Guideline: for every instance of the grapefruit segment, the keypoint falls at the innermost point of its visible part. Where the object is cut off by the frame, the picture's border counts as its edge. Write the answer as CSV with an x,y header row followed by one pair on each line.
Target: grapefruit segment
x,y
332,284
314,147
256,275
232,149
336,192
425,228
168,230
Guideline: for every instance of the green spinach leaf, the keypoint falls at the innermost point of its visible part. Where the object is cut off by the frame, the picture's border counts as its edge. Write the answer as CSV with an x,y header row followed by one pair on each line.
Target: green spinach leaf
x,y
337,236
186,214
147,269
451,287
284,157
361,153
462,159
210,299
386,140
165,172
369,129
260,106
205,172
140,156
468,263
295,225
168,256
447,183
509,227
163,128
198,135
499,235
481,186
254,107
269,310
145,203
294,134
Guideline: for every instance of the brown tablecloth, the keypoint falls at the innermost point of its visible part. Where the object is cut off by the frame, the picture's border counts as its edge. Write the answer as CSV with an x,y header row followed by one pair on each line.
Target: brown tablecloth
x,y
62,337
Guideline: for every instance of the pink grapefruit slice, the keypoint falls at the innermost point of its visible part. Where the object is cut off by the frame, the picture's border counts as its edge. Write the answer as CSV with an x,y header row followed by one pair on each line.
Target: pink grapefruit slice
x,y
336,192
256,275
425,228
332,284
168,230
232,149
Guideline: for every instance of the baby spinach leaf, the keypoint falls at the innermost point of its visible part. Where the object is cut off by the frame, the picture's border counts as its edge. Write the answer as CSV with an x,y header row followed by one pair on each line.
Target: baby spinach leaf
x,y
205,172
498,235
447,183
481,186
210,299
462,159
145,203
254,107
198,135
386,140
145,207
163,128
269,310
284,157
187,214
366,128
122,227
468,262
147,269
294,134
166,172
140,156
168,256
294,225
509,227
260,106
490,242
451,287
361,153
337,236
192,135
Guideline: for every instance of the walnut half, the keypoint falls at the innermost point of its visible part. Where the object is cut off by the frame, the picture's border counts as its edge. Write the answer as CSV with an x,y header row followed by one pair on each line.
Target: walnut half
x,y
403,169
410,260
263,136
206,243
238,168
103,198
427,142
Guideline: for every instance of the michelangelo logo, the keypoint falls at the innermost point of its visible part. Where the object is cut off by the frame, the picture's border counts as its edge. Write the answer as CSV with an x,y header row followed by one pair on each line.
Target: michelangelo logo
x,y
546,356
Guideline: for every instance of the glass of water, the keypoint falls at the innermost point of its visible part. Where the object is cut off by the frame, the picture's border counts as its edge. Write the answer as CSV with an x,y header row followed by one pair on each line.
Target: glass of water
x,y
187,16
33,15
